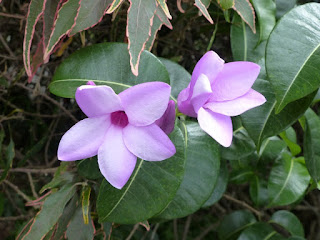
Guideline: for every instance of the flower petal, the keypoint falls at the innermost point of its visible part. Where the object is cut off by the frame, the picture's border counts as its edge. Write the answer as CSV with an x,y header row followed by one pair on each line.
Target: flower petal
x,y
234,80
166,122
218,126
97,100
83,139
146,102
210,65
184,105
115,161
239,105
148,143
201,92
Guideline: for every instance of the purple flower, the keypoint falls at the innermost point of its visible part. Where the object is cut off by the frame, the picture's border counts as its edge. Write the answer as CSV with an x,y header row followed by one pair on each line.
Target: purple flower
x,y
119,128
218,91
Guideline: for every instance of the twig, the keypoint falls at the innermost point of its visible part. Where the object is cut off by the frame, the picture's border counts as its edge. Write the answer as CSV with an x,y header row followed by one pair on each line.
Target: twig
x,y
175,229
186,227
256,212
17,190
154,231
6,46
34,193
135,227
12,15
33,170
14,218
10,58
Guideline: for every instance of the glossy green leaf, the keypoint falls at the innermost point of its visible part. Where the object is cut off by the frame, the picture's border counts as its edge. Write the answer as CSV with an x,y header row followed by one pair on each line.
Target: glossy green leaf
x,y
201,172
284,6
77,229
289,221
245,44
258,191
105,64
148,191
89,168
90,13
299,74
266,13
262,122
241,175
63,24
85,202
51,211
261,231
140,16
36,8
290,138
220,186
203,5
232,224
226,4
246,12
271,149
288,180
311,144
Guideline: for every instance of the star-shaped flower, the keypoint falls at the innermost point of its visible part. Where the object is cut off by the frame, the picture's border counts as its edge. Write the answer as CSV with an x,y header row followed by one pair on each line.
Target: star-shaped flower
x,y
218,91
120,128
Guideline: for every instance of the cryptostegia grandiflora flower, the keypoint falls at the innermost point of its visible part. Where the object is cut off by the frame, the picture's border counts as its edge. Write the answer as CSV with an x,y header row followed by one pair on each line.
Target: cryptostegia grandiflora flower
x,y
120,128
218,91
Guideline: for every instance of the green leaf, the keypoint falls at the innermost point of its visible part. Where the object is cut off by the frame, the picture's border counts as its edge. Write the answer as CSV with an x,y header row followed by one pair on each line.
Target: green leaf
x,y
232,224
203,5
179,77
85,200
226,4
149,190
63,24
220,186
266,13
284,6
51,211
289,221
246,12
49,14
140,16
114,6
258,191
164,7
241,175
288,181
271,149
245,44
290,138
201,172
105,64
36,8
90,13
262,122
89,168
299,74
9,155
77,229
261,231
311,144
156,26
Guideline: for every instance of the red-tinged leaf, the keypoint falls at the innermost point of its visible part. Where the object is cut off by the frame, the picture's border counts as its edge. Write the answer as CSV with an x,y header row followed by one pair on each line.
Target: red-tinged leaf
x,y
36,8
91,13
49,16
156,26
140,18
203,5
63,25
162,16
246,12
37,60
114,6
226,4
25,228
50,212
164,7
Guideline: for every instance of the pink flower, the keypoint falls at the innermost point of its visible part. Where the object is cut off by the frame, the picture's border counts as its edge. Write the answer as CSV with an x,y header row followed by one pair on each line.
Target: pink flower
x,y
119,128
217,92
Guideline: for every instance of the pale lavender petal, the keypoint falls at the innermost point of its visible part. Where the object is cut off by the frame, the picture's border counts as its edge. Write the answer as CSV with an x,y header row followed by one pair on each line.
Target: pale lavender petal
x,y
210,65
97,100
166,122
184,105
234,80
201,92
148,143
146,102
91,83
115,161
239,105
218,126
83,139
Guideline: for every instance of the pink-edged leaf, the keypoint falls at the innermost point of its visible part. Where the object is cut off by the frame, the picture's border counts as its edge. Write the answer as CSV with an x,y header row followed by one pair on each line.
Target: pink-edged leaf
x,y
164,7
145,224
91,13
37,60
203,5
114,6
156,26
140,19
36,8
246,12
162,16
49,16
64,23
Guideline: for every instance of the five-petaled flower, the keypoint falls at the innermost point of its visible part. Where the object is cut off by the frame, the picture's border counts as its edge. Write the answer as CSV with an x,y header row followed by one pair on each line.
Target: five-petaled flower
x,y
120,128
218,91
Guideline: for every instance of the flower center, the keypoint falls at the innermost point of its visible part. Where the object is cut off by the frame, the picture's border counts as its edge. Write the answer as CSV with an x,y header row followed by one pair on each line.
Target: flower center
x,y
119,118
